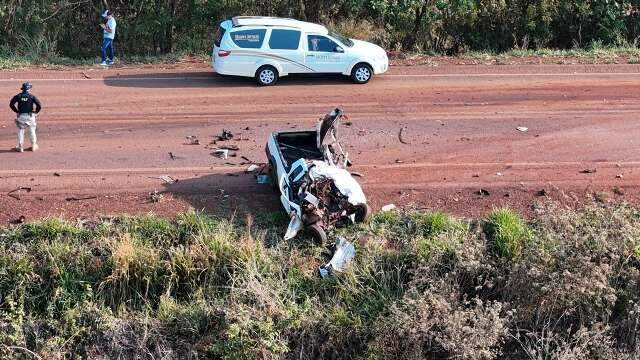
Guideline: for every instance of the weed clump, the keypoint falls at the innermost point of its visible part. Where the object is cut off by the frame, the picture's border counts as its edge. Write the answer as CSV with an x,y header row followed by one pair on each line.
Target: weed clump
x,y
507,232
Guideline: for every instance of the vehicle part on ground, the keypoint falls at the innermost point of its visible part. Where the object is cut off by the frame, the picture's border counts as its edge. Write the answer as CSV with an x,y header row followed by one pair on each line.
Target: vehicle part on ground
x,y
345,252
315,189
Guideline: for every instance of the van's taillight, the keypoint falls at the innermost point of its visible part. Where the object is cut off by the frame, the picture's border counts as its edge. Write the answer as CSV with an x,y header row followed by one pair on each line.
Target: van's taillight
x,y
223,53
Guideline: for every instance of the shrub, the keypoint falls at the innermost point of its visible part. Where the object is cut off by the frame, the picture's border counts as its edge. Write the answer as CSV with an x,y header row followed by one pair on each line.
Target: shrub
x,y
508,233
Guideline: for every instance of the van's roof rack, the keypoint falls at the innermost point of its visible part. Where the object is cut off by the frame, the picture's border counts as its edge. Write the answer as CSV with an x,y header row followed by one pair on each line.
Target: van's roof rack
x,y
239,21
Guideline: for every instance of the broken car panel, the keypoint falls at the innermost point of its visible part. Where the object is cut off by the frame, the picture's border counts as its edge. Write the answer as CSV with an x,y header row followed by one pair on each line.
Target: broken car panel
x,y
307,168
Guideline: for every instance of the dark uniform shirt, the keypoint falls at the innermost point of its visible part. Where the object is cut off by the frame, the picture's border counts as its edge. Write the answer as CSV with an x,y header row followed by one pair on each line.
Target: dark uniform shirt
x,y
23,103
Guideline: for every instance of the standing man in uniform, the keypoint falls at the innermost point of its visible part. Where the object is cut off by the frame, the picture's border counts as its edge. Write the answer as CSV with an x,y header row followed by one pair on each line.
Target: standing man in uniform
x,y
22,104
108,34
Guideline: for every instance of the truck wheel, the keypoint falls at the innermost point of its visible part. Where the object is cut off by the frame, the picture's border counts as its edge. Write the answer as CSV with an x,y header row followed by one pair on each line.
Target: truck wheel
x,y
363,213
317,233
273,174
361,73
267,75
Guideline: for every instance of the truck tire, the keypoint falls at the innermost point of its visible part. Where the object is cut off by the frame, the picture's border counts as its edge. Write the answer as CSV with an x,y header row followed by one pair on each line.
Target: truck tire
x,y
361,73
266,75
317,233
363,213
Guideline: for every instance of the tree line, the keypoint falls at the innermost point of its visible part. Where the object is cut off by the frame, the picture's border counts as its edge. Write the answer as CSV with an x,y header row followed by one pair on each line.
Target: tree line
x,y
155,27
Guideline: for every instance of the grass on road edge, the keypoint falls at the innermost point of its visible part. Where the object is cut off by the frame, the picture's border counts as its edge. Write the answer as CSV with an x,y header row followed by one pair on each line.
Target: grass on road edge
x,y
421,285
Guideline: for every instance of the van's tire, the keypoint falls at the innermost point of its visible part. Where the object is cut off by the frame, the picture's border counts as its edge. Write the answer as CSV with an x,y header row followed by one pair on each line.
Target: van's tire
x,y
362,213
267,75
317,233
361,73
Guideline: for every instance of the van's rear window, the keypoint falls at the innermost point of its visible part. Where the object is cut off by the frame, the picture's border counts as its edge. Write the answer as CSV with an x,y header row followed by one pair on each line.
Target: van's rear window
x,y
249,38
219,36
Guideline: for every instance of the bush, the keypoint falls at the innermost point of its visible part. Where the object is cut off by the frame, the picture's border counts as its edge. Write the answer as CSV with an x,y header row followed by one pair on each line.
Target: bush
x,y
422,285
507,232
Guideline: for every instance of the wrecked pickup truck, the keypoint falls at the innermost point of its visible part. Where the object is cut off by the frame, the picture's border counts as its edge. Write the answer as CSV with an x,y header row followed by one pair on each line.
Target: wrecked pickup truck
x,y
308,169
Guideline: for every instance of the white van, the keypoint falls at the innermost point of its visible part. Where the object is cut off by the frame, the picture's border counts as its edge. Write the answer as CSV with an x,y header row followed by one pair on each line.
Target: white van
x,y
267,48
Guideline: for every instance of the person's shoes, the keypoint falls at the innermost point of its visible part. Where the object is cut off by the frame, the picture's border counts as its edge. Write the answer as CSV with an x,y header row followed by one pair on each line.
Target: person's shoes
x,y
104,63
110,62
34,147
18,148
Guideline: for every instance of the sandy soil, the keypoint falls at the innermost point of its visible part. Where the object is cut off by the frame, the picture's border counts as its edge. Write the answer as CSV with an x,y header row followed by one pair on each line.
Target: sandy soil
x,y
106,135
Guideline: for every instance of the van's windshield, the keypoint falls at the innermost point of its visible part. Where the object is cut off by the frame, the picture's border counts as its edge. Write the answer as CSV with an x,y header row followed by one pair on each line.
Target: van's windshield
x,y
344,40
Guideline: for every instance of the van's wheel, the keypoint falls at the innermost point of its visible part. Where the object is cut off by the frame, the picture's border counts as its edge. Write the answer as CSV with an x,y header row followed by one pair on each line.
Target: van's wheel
x,y
273,174
267,75
317,233
361,73
362,213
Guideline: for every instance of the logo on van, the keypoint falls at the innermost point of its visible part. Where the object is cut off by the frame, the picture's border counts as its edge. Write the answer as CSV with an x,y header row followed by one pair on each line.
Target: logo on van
x,y
247,37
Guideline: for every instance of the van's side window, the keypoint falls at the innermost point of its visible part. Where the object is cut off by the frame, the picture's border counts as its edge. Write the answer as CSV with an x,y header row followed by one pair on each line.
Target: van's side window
x,y
321,43
249,38
284,39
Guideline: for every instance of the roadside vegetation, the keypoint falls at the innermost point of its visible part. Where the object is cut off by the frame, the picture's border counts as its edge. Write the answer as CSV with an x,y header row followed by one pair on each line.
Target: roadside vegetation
x,y
422,285
56,31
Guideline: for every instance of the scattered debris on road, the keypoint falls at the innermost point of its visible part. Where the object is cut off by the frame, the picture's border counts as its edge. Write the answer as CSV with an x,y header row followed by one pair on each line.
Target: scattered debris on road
x,y
229,147
483,192
402,129
356,174
155,196
221,153
619,176
618,191
81,198
20,220
345,252
172,156
85,75
499,174
252,168
168,179
22,188
542,192
589,171
522,128
226,135
193,140
57,174
388,207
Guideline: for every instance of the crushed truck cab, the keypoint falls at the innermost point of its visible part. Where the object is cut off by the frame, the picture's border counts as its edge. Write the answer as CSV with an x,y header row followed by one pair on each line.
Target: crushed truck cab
x,y
308,169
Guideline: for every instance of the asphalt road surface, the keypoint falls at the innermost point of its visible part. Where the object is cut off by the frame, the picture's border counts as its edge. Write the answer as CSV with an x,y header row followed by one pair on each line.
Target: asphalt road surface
x,y
105,137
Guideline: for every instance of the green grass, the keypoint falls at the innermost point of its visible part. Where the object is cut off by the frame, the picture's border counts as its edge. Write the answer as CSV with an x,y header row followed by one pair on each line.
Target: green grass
x,y
421,285
10,60
507,232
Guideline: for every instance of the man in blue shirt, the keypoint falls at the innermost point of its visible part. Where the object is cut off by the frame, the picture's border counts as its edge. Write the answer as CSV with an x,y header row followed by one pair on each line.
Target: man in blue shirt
x,y
109,33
